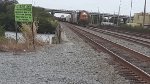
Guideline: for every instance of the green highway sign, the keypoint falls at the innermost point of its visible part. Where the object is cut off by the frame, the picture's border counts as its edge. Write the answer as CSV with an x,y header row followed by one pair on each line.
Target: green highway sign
x,y
23,13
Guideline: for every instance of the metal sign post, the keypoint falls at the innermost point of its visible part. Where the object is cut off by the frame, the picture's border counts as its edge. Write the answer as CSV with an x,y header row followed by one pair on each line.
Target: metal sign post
x,y
144,13
23,13
16,32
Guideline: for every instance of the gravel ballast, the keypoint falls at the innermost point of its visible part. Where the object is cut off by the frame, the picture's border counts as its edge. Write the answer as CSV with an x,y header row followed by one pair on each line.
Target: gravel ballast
x,y
71,62
139,48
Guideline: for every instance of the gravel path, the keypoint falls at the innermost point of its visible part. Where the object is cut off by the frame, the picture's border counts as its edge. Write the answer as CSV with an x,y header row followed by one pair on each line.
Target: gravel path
x,y
131,45
72,62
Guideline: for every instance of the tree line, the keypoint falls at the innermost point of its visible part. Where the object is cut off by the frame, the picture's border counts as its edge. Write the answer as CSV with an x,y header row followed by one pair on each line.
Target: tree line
x,y
46,22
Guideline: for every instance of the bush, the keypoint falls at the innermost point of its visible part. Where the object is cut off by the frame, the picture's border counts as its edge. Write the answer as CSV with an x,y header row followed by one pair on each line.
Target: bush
x,y
54,23
46,26
2,31
7,15
134,29
47,23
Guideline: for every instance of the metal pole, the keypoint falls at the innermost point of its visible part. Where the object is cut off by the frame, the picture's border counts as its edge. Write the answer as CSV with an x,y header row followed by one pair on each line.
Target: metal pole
x,y
16,27
131,10
144,13
118,13
91,18
108,18
103,17
98,17
33,39
114,19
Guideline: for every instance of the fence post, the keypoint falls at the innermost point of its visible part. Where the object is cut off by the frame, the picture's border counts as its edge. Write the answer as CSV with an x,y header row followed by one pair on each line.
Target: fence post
x,y
58,34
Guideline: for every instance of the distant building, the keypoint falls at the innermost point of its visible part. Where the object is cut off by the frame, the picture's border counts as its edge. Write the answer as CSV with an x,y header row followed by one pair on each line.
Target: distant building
x,y
138,18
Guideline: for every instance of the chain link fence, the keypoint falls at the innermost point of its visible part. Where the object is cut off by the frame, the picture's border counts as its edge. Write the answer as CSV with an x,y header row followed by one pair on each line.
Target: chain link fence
x,y
8,43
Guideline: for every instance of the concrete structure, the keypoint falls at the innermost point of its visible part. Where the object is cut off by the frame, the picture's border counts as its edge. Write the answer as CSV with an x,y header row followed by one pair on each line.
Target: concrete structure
x,y
138,18
53,11
95,16
91,13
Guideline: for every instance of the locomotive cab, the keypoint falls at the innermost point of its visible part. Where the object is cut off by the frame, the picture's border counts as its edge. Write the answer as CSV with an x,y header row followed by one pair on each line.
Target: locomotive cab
x,y
83,18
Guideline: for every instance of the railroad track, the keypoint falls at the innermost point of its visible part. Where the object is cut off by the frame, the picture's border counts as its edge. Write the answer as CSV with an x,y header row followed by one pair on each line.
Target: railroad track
x,y
146,36
134,64
144,42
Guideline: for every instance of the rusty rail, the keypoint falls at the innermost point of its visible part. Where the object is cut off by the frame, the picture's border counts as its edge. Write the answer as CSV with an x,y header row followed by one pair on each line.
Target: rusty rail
x,y
136,70
121,36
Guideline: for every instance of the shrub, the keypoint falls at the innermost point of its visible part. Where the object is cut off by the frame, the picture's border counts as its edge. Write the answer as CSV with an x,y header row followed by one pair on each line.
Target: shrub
x,y
2,31
134,29
46,26
54,23
27,33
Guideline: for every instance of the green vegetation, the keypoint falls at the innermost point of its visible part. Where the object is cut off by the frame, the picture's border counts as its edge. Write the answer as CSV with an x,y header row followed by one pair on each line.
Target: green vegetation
x,y
134,29
2,31
7,15
45,21
2,36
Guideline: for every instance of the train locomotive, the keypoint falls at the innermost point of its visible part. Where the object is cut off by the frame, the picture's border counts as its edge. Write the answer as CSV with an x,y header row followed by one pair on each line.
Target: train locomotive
x,y
81,18
84,18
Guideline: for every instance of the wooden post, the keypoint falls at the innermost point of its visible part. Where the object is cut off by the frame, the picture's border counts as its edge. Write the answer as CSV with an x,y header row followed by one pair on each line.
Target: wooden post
x,y
59,37
33,40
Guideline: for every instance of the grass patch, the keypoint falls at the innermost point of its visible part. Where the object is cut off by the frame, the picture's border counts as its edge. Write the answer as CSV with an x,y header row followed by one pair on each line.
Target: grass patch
x,y
2,31
134,29
9,44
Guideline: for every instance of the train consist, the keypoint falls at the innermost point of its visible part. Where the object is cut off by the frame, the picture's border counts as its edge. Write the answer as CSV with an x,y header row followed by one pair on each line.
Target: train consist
x,y
81,18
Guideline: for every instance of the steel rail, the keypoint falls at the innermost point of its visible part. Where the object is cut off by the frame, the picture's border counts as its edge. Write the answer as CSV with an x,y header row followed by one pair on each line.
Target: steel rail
x,y
139,72
129,38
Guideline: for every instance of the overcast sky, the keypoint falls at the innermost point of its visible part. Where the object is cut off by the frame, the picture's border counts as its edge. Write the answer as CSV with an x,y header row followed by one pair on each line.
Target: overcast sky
x,y
105,6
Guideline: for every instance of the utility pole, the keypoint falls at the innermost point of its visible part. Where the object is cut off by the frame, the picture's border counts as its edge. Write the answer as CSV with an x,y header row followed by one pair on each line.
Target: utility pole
x,y
114,18
103,17
98,17
91,18
119,14
144,13
131,10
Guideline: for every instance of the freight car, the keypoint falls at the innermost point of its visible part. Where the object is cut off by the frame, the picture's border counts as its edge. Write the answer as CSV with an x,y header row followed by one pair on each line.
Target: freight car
x,y
68,18
74,18
61,19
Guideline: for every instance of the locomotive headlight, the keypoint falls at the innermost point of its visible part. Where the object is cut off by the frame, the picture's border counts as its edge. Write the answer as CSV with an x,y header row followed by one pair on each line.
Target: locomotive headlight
x,y
84,13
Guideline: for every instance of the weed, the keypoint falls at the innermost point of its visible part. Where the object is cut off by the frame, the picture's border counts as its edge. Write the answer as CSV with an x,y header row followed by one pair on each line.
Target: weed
x,y
9,44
